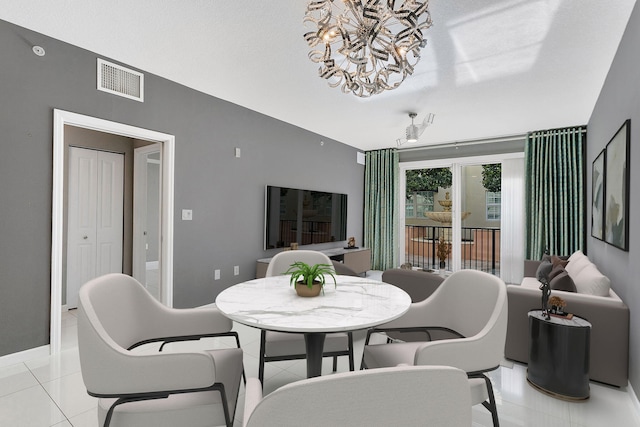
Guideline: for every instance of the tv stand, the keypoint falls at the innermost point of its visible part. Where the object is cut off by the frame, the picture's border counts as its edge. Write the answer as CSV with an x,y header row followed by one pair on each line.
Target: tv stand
x,y
359,260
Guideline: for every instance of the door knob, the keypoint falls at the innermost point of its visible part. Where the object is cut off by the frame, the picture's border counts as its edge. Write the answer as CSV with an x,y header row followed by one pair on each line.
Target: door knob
x,y
85,237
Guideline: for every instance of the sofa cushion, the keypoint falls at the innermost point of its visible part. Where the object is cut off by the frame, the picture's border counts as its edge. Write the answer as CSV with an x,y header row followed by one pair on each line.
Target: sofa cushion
x,y
591,281
576,265
562,282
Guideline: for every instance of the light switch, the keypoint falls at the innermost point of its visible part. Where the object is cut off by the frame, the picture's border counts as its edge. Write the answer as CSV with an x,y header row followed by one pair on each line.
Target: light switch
x,y
238,153
187,214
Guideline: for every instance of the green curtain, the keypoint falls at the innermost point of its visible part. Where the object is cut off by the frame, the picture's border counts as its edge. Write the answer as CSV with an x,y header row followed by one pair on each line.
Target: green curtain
x,y
554,193
381,207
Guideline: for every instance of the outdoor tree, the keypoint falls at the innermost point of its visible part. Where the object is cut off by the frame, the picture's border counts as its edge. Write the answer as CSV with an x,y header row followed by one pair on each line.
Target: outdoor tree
x,y
491,177
432,179
427,180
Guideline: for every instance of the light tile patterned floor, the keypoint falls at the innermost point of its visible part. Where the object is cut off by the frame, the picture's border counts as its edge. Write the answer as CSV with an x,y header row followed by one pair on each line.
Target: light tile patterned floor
x,y
49,391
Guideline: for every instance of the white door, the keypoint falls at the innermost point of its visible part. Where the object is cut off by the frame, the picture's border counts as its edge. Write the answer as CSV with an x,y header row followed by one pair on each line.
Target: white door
x,y
95,217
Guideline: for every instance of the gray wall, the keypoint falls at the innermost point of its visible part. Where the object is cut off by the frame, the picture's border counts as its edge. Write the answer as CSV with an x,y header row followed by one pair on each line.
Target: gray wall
x,y
620,100
226,194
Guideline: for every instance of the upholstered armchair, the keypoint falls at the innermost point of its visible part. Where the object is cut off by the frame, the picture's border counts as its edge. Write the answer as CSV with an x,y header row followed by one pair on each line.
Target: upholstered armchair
x,y
401,396
472,306
161,388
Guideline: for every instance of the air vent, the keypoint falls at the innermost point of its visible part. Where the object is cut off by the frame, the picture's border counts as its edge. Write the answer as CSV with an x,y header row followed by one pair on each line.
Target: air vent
x,y
120,81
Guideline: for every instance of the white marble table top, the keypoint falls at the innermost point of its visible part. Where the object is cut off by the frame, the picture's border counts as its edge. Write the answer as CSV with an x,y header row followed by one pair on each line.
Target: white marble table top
x,y
355,303
575,321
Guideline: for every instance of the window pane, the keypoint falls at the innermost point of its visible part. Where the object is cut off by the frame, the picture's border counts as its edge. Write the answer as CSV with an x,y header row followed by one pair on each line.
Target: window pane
x,y
493,205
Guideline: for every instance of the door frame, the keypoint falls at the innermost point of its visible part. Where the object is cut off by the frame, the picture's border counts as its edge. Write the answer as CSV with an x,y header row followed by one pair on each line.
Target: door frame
x,y
60,119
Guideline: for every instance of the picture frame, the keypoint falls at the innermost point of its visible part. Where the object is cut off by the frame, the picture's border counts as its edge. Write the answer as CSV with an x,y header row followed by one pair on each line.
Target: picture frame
x,y
597,195
616,206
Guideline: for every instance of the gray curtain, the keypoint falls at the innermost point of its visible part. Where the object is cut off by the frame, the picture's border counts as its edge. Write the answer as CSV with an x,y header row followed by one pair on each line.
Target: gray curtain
x,y
381,207
554,191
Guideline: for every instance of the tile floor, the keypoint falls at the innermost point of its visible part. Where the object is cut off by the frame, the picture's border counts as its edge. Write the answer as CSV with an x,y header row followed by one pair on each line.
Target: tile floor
x,y
49,391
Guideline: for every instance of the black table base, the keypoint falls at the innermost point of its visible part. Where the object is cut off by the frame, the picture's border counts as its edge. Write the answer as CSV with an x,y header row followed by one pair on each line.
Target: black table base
x,y
314,343
559,359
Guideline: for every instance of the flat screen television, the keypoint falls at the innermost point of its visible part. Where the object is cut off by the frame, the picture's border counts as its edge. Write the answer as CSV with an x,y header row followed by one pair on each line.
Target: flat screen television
x,y
305,217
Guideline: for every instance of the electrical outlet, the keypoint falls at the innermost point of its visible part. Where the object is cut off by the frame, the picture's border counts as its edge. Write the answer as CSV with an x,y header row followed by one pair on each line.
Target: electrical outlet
x,y
187,214
216,275
236,270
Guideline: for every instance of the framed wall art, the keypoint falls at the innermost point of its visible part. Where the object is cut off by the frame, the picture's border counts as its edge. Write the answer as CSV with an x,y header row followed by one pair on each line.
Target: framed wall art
x,y
616,205
597,196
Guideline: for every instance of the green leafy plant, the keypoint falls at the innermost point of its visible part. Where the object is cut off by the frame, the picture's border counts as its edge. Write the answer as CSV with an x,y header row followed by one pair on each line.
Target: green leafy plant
x,y
491,177
428,180
308,274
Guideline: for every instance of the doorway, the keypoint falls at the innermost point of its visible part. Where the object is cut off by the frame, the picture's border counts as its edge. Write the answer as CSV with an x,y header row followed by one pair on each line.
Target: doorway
x,y
147,196
95,221
165,269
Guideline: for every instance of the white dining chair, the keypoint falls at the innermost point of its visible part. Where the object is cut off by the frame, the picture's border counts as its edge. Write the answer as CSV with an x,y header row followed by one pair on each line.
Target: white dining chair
x,y
403,396
277,346
470,304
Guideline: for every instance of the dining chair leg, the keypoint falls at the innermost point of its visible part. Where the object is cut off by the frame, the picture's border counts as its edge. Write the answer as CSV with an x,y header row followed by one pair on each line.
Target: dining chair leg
x,y
491,404
352,366
263,340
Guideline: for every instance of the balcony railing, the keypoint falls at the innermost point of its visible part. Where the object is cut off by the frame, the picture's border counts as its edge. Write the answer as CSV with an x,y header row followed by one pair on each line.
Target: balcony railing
x,y
312,232
480,247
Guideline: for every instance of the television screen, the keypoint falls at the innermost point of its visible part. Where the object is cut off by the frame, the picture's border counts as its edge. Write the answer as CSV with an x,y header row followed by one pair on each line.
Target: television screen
x,y
303,216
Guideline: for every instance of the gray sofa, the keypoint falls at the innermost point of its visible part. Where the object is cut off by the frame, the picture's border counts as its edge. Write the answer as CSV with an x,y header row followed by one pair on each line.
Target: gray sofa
x,y
419,285
609,317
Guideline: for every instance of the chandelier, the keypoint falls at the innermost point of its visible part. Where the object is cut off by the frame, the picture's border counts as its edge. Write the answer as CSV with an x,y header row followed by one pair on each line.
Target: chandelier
x,y
369,45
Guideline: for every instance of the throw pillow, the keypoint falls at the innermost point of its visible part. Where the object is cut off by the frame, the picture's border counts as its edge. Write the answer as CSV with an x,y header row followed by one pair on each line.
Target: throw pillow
x,y
563,282
576,265
591,281
557,269
547,257
576,255
559,261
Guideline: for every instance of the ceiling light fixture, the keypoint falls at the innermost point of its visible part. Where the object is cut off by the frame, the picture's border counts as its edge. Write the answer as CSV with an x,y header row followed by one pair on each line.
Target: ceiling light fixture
x,y
369,45
413,131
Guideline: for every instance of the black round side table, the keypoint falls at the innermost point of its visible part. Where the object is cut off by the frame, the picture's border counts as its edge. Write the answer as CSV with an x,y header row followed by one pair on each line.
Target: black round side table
x,y
559,355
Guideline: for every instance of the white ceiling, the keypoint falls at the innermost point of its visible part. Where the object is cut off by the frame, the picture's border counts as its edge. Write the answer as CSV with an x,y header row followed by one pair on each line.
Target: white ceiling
x,y
491,68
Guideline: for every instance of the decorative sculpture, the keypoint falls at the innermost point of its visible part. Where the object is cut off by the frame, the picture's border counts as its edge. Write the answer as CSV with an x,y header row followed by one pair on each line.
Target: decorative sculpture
x,y
543,277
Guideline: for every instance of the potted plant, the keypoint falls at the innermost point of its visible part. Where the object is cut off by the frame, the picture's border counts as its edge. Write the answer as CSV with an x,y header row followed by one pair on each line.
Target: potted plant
x,y
557,305
308,279
443,251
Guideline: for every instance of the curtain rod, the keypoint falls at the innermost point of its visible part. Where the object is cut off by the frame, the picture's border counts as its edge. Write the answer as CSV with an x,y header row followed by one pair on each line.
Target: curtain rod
x,y
553,131
506,138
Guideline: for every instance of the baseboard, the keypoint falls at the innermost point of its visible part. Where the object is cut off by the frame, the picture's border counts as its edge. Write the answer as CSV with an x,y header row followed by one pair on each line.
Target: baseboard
x,y
634,399
24,356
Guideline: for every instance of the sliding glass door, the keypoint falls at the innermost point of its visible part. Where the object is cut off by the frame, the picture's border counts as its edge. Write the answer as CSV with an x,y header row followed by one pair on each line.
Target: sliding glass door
x,y
451,214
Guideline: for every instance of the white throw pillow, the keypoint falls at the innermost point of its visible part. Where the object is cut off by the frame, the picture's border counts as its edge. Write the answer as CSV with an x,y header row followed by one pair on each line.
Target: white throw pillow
x,y
577,254
577,264
591,281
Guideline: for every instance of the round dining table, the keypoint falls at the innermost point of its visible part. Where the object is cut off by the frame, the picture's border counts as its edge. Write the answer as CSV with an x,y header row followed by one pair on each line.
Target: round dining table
x,y
354,303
